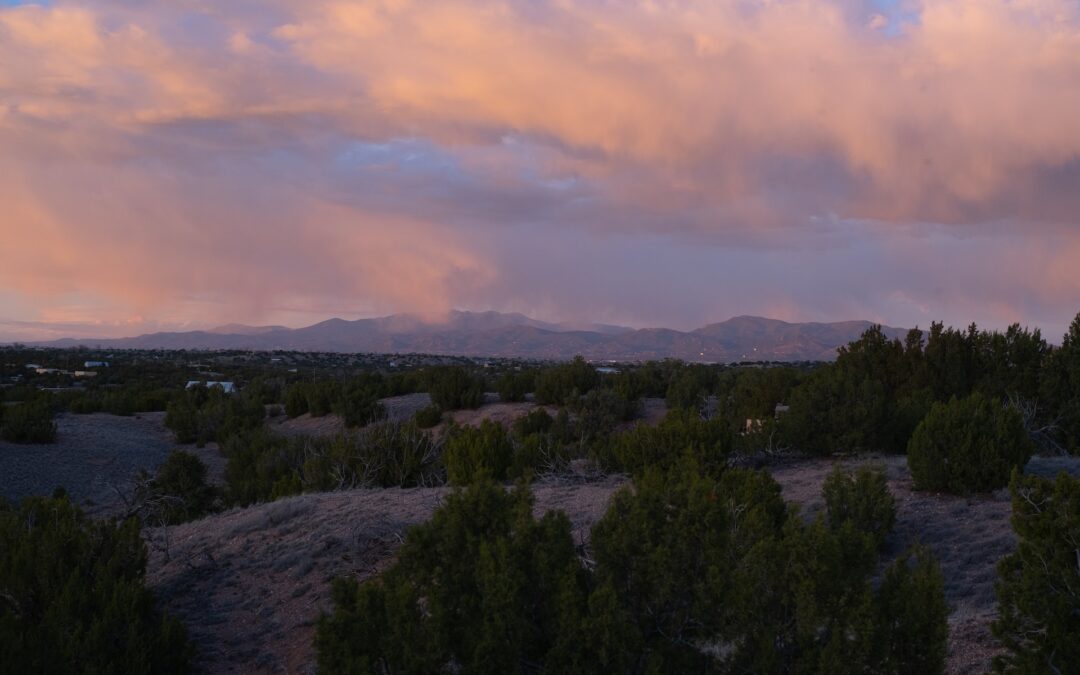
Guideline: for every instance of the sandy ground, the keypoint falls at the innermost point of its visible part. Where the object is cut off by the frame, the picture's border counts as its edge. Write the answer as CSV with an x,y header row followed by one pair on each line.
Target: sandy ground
x,y
91,455
250,583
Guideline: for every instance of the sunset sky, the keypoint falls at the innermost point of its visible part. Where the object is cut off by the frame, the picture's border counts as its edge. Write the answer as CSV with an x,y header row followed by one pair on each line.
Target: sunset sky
x,y
175,164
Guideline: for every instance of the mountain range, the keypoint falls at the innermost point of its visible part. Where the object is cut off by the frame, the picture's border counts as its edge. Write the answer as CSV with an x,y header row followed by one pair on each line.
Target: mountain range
x,y
495,334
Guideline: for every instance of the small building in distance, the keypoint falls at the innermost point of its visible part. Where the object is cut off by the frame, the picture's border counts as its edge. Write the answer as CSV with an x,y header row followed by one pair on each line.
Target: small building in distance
x,y
781,409
227,387
85,373
95,364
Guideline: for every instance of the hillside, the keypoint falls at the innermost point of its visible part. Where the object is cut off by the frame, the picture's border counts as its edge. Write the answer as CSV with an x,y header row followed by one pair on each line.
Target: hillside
x,y
743,338
250,583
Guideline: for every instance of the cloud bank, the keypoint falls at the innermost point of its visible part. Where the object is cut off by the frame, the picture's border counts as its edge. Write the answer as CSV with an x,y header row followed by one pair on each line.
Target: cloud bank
x,y
186,162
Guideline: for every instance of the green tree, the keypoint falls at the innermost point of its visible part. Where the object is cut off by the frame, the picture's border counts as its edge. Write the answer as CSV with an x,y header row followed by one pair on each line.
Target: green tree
x,y
513,386
669,550
1038,585
296,400
29,422
689,388
181,416
565,383
180,487
1060,387
454,388
680,433
912,615
72,598
861,497
428,416
968,445
692,573
471,453
481,588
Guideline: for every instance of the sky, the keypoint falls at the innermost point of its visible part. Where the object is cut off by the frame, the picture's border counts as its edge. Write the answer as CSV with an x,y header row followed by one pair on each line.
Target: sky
x,y
178,164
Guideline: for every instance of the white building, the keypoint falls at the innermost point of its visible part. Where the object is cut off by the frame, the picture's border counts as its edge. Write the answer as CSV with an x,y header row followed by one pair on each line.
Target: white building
x,y
227,387
96,364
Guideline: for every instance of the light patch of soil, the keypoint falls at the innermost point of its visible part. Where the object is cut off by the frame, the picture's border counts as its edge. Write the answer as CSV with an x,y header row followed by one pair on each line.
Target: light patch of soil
x,y
306,425
250,583
503,413
92,454
402,408
653,411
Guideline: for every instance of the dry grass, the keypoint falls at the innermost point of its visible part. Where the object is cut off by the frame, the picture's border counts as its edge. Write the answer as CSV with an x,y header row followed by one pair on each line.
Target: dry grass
x,y
250,583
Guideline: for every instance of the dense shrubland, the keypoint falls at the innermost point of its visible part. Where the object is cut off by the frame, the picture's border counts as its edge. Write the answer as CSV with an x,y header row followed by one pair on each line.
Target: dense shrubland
x,y
689,572
72,598
564,384
262,466
203,414
356,400
680,434
879,390
514,385
454,388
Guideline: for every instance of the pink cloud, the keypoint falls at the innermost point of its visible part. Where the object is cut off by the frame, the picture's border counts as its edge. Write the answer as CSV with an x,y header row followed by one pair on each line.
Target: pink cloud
x,y
175,160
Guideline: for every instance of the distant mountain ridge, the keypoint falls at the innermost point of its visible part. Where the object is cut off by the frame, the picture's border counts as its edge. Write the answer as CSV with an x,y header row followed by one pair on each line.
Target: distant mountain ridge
x,y
742,338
